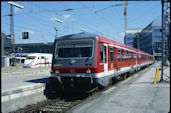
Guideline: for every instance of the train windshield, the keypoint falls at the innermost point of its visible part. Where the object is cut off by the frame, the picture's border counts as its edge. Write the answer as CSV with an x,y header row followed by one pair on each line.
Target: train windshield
x,y
74,49
31,57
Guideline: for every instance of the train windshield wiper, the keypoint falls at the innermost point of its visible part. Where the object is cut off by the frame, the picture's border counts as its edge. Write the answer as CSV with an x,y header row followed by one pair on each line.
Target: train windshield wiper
x,y
87,59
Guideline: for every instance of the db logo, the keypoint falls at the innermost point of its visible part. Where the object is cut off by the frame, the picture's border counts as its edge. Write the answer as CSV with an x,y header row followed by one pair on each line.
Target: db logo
x,y
72,61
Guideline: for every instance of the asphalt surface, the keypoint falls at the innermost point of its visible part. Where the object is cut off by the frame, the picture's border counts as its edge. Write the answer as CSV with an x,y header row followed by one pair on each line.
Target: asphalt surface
x,y
137,94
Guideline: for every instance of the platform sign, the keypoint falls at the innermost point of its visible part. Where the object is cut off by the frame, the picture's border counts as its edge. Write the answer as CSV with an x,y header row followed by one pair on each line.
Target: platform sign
x,y
25,35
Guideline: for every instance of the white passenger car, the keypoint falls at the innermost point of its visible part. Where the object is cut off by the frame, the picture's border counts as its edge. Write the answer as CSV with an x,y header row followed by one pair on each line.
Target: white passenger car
x,y
38,60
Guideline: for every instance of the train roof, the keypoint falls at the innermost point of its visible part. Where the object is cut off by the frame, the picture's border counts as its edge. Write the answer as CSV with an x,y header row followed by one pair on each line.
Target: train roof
x,y
101,38
110,41
76,36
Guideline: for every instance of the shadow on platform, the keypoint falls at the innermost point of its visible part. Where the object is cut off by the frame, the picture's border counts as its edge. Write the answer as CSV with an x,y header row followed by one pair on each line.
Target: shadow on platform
x,y
41,80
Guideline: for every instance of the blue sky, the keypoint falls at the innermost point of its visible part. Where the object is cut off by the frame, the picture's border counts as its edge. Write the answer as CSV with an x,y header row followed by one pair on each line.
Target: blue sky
x,y
39,18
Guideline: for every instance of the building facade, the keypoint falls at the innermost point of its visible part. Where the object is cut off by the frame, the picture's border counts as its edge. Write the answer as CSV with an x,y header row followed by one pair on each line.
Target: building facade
x,y
31,48
149,39
131,37
21,50
5,40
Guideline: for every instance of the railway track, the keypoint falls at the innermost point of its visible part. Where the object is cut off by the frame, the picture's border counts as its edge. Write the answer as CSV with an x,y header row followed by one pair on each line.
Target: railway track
x,y
59,105
65,102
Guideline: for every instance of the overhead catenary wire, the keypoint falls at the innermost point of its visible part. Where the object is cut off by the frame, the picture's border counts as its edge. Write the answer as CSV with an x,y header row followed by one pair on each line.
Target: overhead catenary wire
x,y
140,17
54,12
96,15
89,25
107,21
18,26
86,20
93,26
21,27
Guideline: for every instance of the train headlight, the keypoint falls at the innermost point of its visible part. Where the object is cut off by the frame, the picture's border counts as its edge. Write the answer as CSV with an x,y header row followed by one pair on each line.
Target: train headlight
x,y
57,71
88,71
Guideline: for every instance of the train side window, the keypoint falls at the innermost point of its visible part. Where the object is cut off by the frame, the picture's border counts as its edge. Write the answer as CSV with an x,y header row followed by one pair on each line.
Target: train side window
x,y
140,56
130,55
134,56
118,54
122,54
127,55
101,53
111,53
105,54
42,57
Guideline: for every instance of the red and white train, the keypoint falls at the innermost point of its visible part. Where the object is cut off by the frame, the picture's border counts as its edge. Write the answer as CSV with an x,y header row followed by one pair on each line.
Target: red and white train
x,y
85,60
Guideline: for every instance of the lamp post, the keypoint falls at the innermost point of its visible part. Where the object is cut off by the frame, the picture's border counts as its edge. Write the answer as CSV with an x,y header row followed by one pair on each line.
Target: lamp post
x,y
60,21
19,53
12,24
82,29
56,29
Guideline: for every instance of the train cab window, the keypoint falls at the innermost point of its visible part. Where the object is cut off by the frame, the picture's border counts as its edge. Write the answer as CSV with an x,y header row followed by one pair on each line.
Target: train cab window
x,y
118,54
111,53
101,53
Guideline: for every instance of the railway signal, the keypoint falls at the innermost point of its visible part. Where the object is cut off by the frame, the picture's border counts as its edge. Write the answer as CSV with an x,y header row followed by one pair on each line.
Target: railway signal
x,y
25,35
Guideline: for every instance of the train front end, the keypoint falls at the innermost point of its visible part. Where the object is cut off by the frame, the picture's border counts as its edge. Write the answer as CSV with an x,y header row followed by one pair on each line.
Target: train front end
x,y
73,62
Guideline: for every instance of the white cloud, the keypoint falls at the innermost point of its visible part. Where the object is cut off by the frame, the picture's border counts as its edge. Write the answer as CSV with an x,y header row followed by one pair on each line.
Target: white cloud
x,y
66,16
30,32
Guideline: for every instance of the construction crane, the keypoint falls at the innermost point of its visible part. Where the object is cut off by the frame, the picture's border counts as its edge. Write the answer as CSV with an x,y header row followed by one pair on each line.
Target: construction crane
x,y
125,14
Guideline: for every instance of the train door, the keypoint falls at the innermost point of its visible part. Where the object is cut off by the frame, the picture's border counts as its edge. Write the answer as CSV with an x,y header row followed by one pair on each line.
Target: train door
x,y
136,60
105,63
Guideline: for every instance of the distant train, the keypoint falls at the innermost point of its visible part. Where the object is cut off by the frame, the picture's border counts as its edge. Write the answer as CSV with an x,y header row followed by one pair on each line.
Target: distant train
x,y
38,60
87,60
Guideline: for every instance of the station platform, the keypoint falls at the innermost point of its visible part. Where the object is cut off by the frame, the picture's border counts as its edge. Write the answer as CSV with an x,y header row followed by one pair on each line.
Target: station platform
x,y
20,89
136,94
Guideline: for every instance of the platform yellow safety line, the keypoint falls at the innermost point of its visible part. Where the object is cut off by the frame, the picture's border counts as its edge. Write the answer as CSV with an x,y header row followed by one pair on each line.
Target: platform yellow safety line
x,y
157,71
